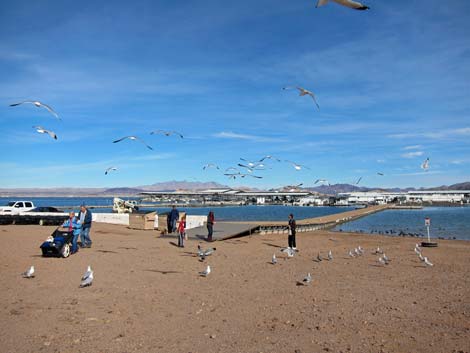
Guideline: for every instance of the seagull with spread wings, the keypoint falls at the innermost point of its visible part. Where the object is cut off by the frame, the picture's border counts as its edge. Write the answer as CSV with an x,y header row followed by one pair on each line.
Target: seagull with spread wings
x,y
296,165
39,105
41,130
166,133
425,165
109,170
304,92
348,3
210,165
133,138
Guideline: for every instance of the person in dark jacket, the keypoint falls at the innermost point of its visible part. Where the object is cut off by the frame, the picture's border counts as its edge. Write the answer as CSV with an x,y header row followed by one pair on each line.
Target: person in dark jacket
x,y
291,236
174,217
210,225
85,218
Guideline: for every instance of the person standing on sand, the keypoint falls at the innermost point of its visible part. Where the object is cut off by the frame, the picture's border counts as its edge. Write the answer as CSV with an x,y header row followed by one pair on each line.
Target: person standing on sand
x,y
174,216
210,225
181,232
85,218
291,229
73,225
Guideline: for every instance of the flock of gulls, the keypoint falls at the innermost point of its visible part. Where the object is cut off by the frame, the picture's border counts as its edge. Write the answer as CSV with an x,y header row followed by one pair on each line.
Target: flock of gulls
x,y
245,169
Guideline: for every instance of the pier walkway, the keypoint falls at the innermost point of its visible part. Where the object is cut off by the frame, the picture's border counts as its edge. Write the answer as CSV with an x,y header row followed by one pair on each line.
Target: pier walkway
x,y
226,230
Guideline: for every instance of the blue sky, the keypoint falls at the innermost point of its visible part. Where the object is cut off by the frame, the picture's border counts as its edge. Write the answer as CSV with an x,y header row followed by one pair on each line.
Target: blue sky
x,y
392,84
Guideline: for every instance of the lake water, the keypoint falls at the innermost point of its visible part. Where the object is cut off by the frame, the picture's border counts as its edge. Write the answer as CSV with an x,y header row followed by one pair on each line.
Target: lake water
x,y
225,213
446,222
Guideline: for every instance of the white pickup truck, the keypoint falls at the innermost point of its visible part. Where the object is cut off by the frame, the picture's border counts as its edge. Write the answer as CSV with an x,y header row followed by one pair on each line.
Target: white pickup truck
x,y
15,207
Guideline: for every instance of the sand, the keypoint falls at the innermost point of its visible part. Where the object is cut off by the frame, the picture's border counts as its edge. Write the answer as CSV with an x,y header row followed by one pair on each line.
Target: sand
x,y
147,295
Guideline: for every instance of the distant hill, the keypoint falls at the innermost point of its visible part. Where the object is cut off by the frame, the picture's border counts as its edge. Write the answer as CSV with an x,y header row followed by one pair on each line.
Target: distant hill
x,y
182,185
175,185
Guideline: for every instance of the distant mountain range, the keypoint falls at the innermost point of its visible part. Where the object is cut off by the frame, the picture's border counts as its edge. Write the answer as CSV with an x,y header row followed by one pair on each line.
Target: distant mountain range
x,y
192,186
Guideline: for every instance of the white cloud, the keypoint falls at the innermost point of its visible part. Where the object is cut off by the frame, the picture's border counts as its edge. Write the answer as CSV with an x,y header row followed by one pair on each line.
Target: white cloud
x,y
237,136
412,154
414,147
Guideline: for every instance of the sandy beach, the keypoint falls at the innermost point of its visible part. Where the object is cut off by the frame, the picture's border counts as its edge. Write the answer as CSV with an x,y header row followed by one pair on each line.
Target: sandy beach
x,y
147,295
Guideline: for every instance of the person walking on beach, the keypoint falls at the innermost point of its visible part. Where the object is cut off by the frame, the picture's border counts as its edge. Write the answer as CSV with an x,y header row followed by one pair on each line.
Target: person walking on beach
x,y
174,216
85,218
181,232
210,225
291,229
73,225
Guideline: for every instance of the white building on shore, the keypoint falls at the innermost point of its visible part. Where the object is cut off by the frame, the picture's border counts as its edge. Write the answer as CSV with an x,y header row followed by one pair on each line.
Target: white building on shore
x,y
427,196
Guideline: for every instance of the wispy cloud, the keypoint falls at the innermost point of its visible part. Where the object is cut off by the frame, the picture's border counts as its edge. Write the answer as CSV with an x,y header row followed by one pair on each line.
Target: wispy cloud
x,y
443,134
414,147
412,154
253,138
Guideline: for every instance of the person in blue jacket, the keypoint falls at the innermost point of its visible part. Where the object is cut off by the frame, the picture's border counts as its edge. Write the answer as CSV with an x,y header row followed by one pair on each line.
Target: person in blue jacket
x,y
85,218
73,225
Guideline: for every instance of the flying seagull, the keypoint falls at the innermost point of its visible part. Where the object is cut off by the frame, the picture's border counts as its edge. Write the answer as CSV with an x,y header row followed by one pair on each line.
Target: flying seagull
x,y
304,92
41,130
206,272
133,138
306,281
39,105
269,157
166,133
380,173
358,180
348,3
87,281
322,181
109,170
297,166
252,164
232,169
210,165
241,175
425,165
29,273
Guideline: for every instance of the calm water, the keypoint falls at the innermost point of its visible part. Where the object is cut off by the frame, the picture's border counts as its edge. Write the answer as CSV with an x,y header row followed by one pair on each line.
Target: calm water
x,y
226,213
446,222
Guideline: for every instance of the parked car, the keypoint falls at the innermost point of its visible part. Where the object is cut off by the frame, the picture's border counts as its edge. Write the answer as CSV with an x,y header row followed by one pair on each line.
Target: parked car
x,y
15,207
45,209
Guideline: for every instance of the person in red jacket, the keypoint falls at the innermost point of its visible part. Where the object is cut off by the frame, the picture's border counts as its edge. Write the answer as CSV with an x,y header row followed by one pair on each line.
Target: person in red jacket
x,y
181,232
210,225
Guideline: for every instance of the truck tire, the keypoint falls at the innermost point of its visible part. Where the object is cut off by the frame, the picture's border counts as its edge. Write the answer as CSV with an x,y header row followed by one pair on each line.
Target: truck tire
x,y
65,251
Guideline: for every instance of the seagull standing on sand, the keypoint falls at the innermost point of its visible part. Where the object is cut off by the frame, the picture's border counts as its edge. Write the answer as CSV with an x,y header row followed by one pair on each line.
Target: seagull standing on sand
x,y
206,272
166,133
274,259
378,251
109,170
350,254
425,165
306,281
304,92
88,280
87,273
41,130
427,262
330,255
29,273
133,138
39,105
382,261
319,258
348,3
